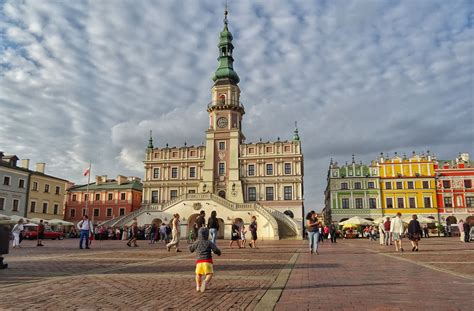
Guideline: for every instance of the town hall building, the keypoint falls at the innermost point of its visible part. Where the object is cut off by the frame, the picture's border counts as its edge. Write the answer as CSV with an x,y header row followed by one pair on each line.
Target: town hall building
x,y
236,179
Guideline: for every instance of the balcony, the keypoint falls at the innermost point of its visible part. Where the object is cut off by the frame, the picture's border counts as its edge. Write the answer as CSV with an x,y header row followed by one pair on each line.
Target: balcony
x,y
225,104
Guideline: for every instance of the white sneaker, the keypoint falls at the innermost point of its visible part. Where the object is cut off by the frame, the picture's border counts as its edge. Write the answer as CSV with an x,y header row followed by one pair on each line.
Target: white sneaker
x,y
197,288
203,286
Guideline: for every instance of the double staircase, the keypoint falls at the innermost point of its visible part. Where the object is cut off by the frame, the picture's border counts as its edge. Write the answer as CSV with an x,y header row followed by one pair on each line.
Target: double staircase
x,y
285,226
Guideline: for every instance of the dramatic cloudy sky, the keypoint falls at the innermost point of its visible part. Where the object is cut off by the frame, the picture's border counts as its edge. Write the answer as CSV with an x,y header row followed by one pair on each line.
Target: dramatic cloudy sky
x,y
87,80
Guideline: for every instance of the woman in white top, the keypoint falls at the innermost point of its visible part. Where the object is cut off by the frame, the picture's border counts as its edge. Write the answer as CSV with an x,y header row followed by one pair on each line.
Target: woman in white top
x,y
397,229
17,229
175,234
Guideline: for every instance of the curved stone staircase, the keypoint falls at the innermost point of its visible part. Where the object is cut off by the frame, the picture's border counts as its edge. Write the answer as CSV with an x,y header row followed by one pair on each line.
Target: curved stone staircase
x,y
285,227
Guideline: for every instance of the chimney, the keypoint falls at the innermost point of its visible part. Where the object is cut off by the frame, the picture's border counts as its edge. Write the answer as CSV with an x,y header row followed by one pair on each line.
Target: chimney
x,y
40,167
98,179
25,163
121,179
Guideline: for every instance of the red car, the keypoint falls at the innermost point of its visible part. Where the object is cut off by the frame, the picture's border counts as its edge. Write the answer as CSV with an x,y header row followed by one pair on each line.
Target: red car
x,y
31,233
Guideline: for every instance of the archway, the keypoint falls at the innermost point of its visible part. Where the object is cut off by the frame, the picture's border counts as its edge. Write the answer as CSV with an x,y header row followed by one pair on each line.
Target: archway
x,y
451,220
289,214
220,233
191,221
221,194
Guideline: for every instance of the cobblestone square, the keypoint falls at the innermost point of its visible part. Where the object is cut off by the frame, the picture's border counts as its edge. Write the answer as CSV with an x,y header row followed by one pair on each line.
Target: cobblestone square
x,y
280,275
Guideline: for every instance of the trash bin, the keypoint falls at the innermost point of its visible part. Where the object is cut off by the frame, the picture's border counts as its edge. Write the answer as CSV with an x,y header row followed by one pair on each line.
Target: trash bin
x,y
4,243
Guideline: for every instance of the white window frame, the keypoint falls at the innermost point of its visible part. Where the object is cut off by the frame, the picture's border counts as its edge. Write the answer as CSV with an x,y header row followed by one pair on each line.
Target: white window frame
x,y
195,172
36,205
42,207
248,169
219,168
284,168
266,169
54,206
9,180
177,172
177,194
219,145
284,193
155,176
13,205
404,203
24,183
4,200
416,205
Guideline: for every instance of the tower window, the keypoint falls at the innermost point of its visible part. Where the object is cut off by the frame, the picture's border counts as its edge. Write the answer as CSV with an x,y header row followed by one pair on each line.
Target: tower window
x,y
221,168
222,145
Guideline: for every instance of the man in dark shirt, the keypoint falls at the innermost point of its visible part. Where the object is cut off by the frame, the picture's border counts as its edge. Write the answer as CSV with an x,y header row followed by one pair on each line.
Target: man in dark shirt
x,y
40,233
466,231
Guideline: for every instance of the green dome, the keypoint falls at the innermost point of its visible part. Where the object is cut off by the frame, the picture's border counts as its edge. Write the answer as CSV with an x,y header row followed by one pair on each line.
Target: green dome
x,y
225,70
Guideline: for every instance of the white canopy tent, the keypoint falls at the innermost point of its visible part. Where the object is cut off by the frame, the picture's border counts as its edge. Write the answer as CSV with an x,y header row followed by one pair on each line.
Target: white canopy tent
x,y
356,220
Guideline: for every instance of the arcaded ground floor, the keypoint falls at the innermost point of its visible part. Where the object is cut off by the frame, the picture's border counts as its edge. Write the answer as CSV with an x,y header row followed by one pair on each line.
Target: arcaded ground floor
x,y
280,275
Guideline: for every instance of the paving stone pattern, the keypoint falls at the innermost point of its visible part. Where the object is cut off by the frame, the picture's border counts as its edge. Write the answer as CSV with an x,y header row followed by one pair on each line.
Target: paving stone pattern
x,y
349,275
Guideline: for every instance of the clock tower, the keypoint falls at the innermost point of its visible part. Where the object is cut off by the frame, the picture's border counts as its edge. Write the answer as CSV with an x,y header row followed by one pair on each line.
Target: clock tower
x,y
224,135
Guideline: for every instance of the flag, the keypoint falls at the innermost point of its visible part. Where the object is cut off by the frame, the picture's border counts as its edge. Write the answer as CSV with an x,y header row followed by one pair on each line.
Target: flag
x,y
87,172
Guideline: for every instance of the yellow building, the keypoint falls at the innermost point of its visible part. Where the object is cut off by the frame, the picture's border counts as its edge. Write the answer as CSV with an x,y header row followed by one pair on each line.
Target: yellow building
x,y
46,195
408,184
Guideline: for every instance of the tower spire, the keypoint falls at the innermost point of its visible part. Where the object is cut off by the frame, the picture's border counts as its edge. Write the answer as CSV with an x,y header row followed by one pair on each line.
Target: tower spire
x,y
296,136
150,141
225,70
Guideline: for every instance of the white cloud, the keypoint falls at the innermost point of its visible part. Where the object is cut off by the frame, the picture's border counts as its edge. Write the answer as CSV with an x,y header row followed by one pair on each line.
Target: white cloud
x,y
84,81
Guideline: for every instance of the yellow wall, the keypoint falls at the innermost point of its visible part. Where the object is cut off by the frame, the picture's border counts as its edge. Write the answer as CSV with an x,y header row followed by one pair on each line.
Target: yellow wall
x,y
40,196
414,170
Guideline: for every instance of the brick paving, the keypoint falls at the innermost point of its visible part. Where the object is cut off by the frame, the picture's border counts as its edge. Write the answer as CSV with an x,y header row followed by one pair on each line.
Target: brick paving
x,y
350,275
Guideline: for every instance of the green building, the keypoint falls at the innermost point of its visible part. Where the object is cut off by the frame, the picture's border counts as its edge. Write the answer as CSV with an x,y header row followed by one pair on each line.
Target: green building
x,y
352,190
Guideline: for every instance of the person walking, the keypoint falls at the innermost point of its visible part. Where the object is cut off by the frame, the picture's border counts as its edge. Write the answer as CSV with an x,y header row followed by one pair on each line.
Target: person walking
x,y
16,231
461,230
386,226
213,225
243,239
175,233
134,235
466,231
313,232
40,238
235,230
253,232
153,233
381,233
397,229
204,264
333,233
85,227
426,232
414,232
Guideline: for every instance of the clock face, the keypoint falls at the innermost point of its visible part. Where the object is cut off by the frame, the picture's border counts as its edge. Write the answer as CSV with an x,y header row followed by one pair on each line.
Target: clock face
x,y
222,122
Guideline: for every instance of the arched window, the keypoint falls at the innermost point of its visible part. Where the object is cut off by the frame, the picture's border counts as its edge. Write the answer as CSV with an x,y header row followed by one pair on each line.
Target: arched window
x,y
221,194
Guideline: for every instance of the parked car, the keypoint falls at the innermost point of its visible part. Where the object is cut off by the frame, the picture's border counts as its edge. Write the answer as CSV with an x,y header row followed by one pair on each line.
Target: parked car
x,y
31,232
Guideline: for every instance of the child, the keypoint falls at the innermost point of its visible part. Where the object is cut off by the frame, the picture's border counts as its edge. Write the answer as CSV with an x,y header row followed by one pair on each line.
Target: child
x,y
242,236
204,249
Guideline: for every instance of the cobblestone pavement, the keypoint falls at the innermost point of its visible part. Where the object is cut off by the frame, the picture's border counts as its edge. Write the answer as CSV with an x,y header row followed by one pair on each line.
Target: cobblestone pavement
x,y
351,275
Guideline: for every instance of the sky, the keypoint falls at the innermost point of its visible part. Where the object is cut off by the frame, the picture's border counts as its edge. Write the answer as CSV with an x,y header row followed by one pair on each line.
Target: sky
x,y
86,81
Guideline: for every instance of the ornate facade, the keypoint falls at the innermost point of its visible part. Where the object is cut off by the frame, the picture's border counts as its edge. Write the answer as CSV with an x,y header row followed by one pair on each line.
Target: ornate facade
x,y
106,199
226,174
454,188
352,190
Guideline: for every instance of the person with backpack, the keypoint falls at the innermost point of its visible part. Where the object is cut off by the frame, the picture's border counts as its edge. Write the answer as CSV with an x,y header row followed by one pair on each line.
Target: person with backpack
x,y
213,225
